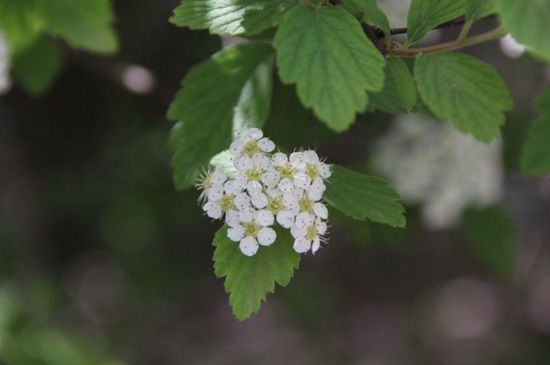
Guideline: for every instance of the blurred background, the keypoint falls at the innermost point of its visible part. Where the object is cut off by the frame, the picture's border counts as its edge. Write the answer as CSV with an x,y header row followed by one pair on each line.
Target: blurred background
x,y
103,262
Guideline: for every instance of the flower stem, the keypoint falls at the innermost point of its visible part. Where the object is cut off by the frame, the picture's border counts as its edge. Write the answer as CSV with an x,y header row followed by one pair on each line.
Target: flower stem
x,y
449,46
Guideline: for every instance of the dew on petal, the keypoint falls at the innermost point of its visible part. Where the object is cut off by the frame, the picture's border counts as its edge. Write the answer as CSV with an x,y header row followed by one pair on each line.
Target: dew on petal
x,y
265,218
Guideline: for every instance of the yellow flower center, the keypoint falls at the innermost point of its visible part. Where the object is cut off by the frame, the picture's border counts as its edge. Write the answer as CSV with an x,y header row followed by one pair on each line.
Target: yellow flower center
x,y
227,202
311,232
306,204
250,148
251,229
275,205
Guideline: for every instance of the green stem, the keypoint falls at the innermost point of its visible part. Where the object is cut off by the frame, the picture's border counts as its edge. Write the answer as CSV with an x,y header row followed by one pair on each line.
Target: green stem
x,y
464,31
449,46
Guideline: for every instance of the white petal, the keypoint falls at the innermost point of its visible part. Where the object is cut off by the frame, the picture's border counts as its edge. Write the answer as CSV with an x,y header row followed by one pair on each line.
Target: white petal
x,y
236,147
324,170
266,236
311,157
232,218
286,218
321,227
243,162
242,201
320,210
297,232
213,210
290,199
261,160
297,160
236,185
302,245
301,180
304,220
215,193
279,159
316,189
271,178
274,192
286,185
218,177
253,133
246,216
264,218
235,234
315,245
248,246
259,200
266,144
253,187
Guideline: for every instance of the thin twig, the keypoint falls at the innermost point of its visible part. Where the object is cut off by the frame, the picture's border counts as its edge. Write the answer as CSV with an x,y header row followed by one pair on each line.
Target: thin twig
x,y
449,46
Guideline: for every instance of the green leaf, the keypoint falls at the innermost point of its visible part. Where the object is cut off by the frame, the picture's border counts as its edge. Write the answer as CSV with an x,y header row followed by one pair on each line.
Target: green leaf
x,y
83,24
425,15
327,54
37,66
399,92
230,16
528,22
372,15
248,280
360,197
464,90
493,236
20,22
231,87
271,13
535,159
479,9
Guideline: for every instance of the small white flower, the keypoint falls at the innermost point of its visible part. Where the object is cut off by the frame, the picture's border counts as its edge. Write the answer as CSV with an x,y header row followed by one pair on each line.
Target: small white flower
x,y
228,204
211,184
309,237
284,214
315,168
250,146
250,234
290,170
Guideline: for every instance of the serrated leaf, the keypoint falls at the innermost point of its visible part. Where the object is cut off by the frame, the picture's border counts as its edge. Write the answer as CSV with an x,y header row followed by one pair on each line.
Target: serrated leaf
x,y
464,90
248,280
86,24
37,66
20,22
271,13
425,15
326,53
479,9
234,79
230,16
399,92
535,158
527,21
360,197
492,235
372,15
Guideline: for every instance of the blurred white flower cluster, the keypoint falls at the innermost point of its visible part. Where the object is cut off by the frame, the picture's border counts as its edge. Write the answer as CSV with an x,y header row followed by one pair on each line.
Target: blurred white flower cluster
x,y
269,188
433,164
5,81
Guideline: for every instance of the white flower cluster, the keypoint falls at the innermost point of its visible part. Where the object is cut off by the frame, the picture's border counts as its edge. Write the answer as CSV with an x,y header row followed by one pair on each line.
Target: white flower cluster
x,y
432,163
269,188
